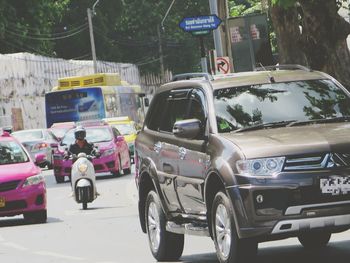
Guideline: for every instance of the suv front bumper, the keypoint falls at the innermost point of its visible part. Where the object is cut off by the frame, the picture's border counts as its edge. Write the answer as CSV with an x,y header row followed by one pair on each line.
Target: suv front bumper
x,y
287,205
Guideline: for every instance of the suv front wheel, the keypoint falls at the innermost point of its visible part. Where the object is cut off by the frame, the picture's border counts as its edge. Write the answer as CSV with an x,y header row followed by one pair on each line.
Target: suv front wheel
x,y
165,246
229,248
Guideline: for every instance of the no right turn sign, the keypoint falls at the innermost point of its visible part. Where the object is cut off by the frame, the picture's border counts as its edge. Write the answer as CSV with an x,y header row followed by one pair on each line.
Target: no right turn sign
x,y
223,65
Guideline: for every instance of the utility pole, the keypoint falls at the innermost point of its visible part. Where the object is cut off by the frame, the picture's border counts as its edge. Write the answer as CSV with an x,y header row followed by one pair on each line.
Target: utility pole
x,y
159,29
216,33
161,58
204,64
90,14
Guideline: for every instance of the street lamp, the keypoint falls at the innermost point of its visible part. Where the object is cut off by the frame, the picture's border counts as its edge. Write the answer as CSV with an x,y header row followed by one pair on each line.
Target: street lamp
x,y
90,14
159,29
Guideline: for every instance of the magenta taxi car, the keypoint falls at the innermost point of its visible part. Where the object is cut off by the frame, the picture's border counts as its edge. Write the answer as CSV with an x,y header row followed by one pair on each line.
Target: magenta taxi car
x,y
22,186
114,159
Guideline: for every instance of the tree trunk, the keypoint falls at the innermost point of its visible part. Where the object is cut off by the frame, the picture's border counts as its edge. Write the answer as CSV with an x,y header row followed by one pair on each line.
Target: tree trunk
x,y
324,34
286,26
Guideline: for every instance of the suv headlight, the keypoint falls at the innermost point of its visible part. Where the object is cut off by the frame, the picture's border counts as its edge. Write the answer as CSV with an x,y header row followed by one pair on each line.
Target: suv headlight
x,y
82,167
108,152
260,167
33,180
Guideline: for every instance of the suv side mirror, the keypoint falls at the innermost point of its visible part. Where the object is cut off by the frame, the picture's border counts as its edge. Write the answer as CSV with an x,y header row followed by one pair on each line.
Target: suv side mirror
x,y
188,129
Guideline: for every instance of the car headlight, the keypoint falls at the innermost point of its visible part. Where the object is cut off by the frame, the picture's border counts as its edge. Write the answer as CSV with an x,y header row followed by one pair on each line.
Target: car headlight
x,y
33,180
82,167
108,152
260,167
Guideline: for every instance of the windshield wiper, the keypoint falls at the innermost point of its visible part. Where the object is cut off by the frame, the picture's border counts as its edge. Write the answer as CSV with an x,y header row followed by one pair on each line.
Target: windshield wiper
x,y
266,125
327,120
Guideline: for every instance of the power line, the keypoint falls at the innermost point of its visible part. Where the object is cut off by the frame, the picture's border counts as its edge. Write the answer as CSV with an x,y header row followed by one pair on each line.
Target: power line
x,y
31,49
15,27
18,46
46,38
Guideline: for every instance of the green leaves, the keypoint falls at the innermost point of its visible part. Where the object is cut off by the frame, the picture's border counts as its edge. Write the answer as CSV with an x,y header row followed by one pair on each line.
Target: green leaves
x,y
284,3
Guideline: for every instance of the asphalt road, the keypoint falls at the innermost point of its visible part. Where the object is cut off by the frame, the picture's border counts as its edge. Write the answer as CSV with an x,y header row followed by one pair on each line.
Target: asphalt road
x,y
109,232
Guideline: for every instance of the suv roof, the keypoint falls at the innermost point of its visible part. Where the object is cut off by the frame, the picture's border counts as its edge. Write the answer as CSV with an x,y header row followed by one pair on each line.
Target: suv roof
x,y
264,75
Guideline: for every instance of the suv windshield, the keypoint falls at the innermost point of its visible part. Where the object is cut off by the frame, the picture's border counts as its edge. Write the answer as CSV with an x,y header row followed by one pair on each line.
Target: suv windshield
x,y
11,152
242,107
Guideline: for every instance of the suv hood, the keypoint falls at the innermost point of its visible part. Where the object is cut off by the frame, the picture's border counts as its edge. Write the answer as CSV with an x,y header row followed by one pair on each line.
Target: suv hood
x,y
308,139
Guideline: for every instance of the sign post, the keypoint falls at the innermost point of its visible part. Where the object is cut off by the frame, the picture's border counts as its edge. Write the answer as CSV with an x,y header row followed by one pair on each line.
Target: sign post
x,y
200,26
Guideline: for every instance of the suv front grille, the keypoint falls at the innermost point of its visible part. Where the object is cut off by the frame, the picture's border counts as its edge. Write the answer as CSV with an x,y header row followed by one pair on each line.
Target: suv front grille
x,y
317,162
7,186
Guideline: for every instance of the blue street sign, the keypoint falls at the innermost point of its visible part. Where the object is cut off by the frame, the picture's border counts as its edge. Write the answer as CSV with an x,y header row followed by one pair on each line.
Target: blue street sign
x,y
200,23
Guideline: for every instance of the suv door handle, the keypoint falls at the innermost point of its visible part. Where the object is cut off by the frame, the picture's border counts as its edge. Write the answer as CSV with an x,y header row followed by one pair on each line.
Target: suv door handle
x,y
182,152
157,147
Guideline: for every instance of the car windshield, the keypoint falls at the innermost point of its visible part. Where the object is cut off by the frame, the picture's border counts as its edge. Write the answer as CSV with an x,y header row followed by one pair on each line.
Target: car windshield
x,y
29,135
93,135
11,152
247,106
125,128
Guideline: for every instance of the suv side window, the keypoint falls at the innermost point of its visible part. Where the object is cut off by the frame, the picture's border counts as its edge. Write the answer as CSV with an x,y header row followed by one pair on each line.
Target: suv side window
x,y
154,116
197,108
176,109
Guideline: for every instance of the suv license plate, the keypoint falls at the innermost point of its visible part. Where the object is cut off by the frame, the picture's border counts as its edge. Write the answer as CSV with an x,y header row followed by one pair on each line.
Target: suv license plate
x,y
335,185
2,202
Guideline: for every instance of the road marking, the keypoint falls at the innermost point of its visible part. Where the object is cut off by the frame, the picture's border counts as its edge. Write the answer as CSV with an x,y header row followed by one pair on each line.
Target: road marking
x,y
57,255
15,246
1,239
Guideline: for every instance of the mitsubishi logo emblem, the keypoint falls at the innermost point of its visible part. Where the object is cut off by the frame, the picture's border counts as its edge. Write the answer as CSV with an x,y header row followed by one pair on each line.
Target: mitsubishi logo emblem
x,y
331,162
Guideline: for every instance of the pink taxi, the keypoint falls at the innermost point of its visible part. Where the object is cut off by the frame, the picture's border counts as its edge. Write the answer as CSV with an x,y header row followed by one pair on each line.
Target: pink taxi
x,y
114,159
22,186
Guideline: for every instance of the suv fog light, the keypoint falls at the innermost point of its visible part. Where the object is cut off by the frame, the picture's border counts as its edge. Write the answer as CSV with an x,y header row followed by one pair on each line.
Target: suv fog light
x,y
259,199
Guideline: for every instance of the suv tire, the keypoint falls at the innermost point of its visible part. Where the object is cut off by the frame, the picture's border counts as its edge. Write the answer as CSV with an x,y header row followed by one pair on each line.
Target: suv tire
x,y
314,240
165,246
229,248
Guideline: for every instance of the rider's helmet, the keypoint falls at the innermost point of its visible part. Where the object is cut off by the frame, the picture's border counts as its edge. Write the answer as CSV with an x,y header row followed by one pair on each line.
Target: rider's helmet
x,y
79,133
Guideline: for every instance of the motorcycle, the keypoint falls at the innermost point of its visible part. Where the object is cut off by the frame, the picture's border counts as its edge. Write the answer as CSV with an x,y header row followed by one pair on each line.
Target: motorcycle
x,y
83,179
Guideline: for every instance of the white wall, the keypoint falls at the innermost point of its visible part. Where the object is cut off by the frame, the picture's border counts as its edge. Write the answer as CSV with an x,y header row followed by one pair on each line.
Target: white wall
x,y
25,78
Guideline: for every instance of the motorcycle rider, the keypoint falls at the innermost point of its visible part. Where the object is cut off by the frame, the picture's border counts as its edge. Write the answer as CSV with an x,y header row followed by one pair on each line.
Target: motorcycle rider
x,y
81,145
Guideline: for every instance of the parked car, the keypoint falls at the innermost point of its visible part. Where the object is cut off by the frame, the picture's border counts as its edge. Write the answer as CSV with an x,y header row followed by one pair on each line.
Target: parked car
x,y
127,128
22,186
114,159
38,141
59,129
245,158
